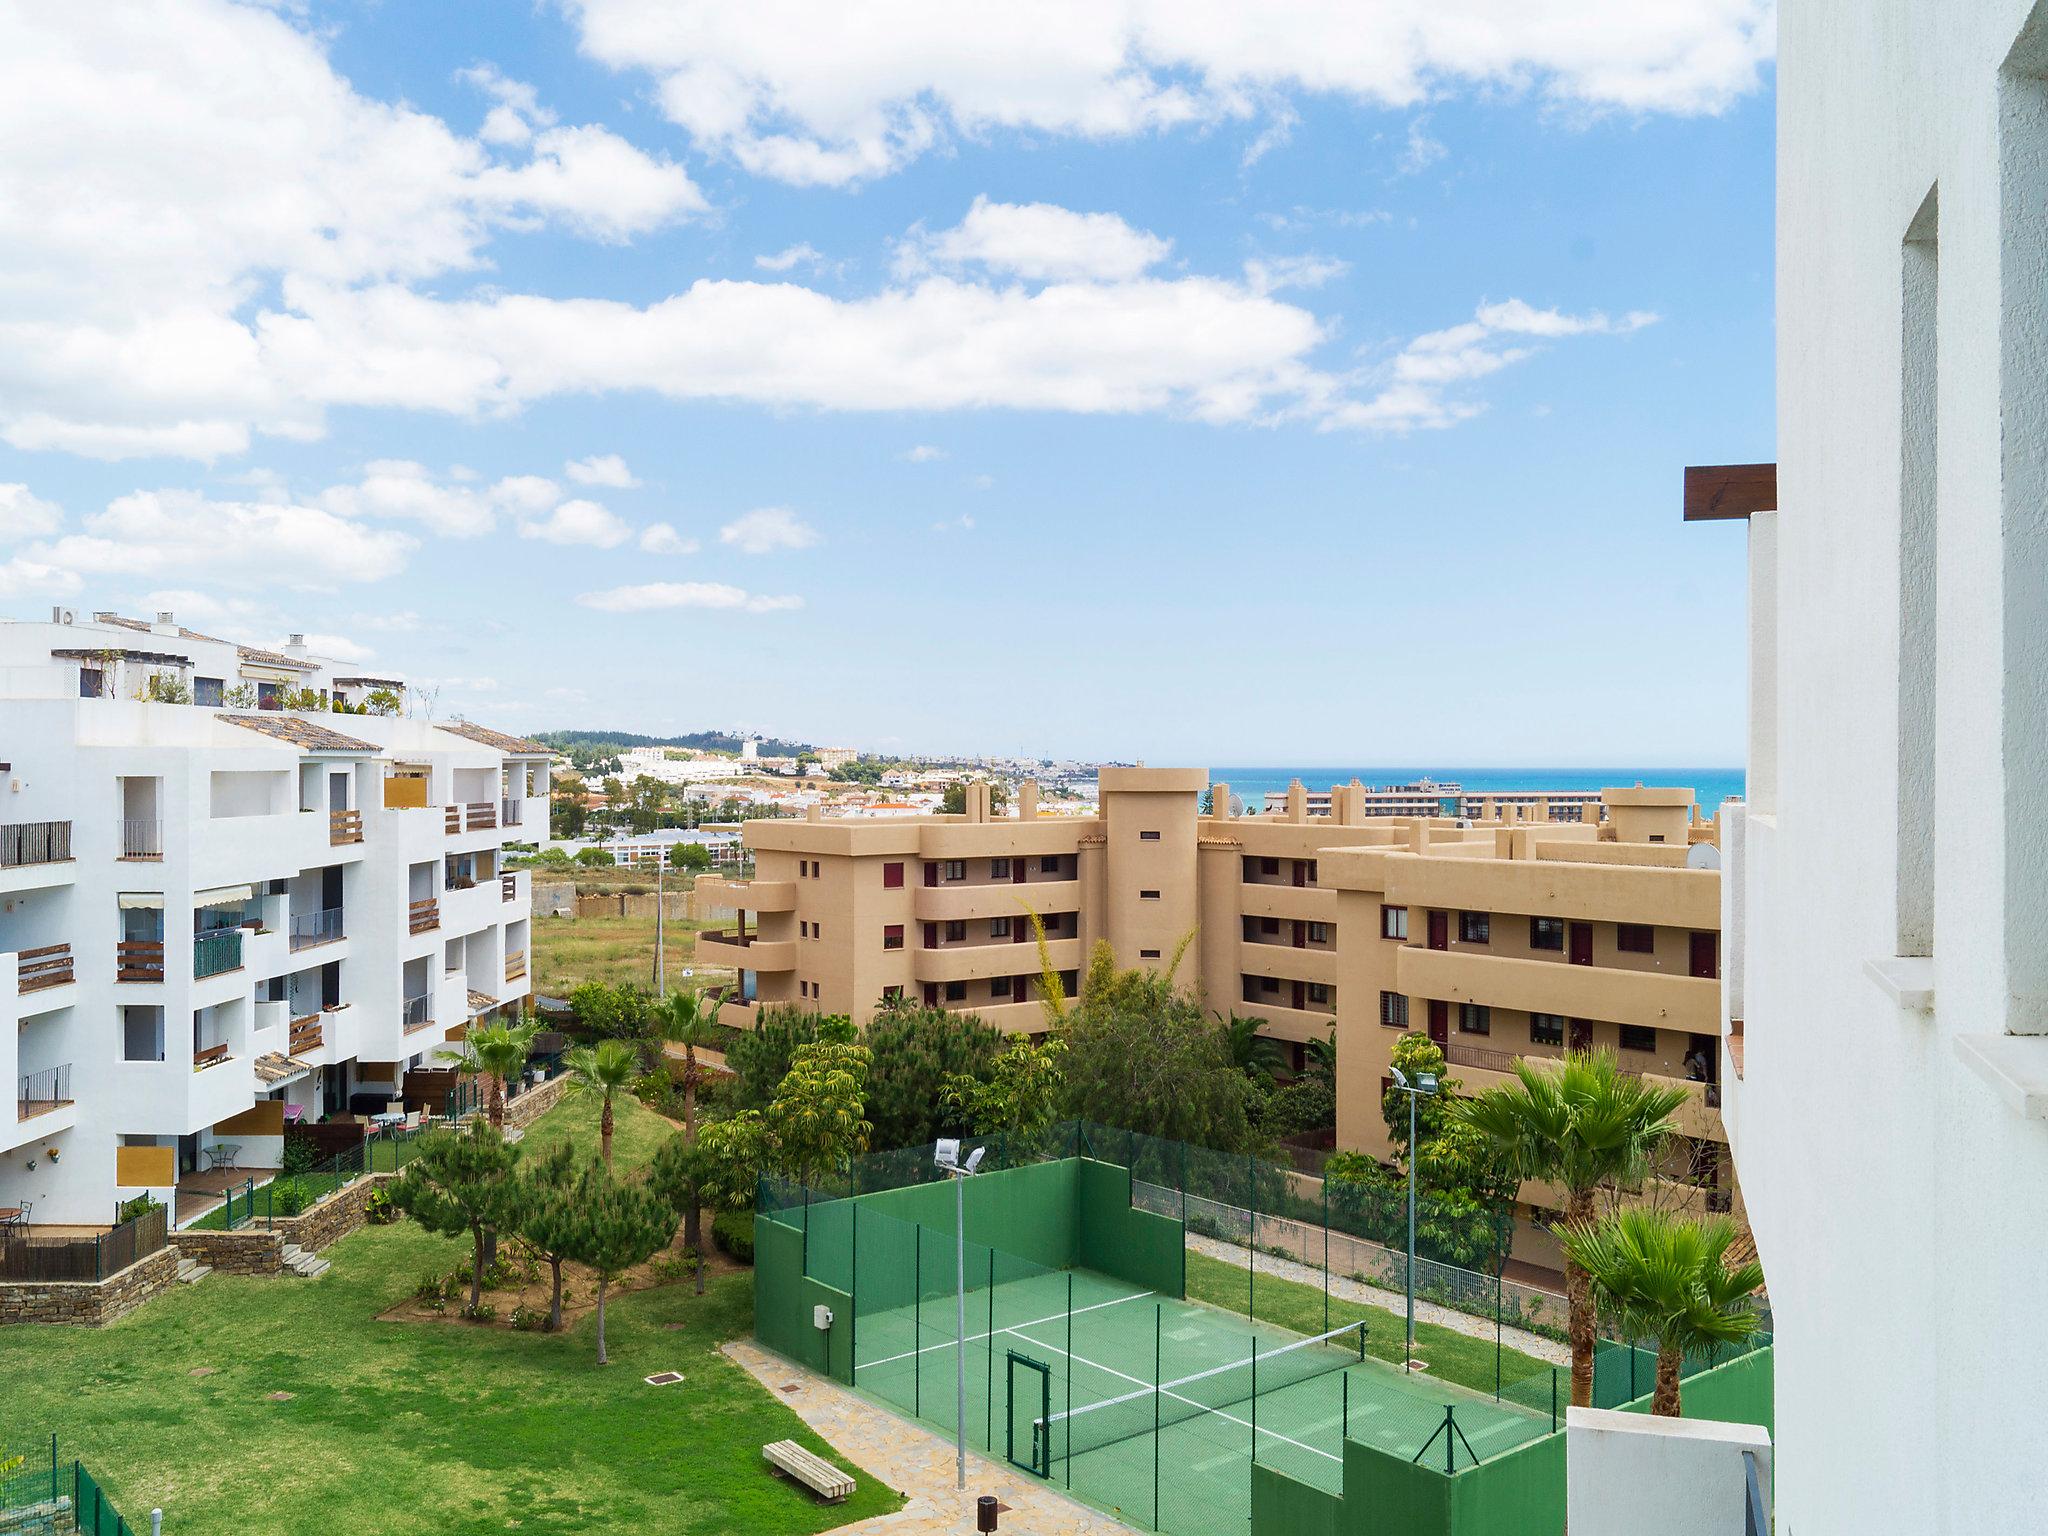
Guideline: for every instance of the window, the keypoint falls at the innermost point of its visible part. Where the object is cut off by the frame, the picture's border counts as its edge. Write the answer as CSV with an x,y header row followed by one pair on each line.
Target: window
x,y
1546,933
817,930
1656,837
1148,954
1639,1037
1311,871
1394,1009
208,692
1319,933
1475,1019
803,989
1269,925
999,869
956,869
956,991
1635,938
956,930
1148,837
1319,993
1475,928
803,930
92,682
1268,984
892,936
1546,1029
999,927
890,994
999,986
803,869
892,876
1269,866
1148,895
1049,864
1393,922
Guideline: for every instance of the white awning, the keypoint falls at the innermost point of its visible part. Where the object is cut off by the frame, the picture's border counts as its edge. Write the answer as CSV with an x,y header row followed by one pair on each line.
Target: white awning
x,y
223,896
140,901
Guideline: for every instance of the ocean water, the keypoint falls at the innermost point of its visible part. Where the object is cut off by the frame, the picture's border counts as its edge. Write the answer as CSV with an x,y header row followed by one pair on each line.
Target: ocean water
x,y
1710,786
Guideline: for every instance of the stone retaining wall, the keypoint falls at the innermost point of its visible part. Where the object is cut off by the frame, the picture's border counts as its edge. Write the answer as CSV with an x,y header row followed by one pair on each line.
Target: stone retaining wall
x,y
535,1102
89,1303
249,1252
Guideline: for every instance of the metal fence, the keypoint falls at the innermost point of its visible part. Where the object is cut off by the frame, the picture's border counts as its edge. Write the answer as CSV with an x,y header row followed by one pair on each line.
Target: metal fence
x,y
44,1089
142,839
47,1494
23,1257
292,1194
310,928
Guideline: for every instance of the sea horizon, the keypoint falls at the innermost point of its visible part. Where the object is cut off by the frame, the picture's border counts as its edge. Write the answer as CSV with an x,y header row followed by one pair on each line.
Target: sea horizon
x,y
1710,786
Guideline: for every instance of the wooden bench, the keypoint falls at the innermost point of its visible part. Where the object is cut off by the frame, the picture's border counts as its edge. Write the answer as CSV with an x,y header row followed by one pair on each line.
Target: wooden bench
x,y
814,1472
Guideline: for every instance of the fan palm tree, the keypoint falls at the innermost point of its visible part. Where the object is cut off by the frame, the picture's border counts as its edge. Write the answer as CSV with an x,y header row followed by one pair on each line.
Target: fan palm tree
x,y
496,1053
1321,1058
1251,1053
1667,1278
605,1068
689,1019
1583,1124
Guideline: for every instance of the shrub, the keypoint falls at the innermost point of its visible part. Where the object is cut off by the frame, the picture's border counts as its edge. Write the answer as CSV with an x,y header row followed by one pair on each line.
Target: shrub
x,y
434,1290
482,1312
672,1267
733,1232
378,1210
529,1319
130,1209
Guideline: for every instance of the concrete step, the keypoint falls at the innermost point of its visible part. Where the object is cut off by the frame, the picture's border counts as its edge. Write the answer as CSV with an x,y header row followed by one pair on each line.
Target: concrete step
x,y
191,1271
299,1262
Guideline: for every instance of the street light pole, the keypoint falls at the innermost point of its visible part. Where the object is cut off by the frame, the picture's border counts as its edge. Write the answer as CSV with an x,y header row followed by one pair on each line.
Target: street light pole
x,y
947,1156
1425,1083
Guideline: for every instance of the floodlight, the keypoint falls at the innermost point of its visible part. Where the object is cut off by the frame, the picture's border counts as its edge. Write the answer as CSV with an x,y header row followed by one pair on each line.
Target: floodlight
x,y
1426,1082
947,1153
974,1158
1400,1077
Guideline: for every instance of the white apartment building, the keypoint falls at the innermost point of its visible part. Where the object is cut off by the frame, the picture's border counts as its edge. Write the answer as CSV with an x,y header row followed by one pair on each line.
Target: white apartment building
x,y
203,908
1886,1077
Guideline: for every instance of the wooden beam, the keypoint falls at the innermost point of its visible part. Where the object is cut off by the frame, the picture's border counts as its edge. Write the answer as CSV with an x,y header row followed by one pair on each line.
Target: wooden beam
x,y
1718,492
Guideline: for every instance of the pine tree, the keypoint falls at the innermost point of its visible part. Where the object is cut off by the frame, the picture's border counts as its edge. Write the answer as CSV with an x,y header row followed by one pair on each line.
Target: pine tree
x,y
546,1214
457,1182
618,1224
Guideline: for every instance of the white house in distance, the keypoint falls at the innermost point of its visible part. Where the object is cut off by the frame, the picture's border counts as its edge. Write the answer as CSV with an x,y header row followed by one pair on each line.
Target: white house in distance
x,y
215,919
1885,1086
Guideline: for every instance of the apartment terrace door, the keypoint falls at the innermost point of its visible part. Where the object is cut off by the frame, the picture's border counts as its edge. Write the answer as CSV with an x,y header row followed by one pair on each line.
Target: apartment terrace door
x,y
1581,943
1439,930
1706,955
1439,1021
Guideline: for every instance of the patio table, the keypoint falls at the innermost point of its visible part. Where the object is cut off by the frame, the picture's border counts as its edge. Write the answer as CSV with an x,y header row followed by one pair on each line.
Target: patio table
x,y
10,1215
222,1154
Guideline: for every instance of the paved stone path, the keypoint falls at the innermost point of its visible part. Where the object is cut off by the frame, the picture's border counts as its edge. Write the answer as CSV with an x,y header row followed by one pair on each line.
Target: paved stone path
x,y
1393,1301
917,1463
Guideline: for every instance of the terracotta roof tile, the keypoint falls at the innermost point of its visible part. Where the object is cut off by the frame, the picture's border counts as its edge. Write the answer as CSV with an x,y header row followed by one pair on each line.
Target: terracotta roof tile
x,y
299,731
518,746
264,658
275,1066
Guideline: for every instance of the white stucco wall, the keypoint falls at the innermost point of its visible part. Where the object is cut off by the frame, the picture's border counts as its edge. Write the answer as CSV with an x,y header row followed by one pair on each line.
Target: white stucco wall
x,y
1613,1461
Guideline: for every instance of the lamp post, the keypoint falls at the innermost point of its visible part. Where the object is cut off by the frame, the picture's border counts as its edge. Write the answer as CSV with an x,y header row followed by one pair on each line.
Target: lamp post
x,y
1424,1086
947,1156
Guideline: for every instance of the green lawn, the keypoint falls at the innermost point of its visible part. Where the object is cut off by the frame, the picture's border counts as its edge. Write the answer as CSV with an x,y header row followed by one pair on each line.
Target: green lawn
x,y
636,1129
401,1428
1454,1356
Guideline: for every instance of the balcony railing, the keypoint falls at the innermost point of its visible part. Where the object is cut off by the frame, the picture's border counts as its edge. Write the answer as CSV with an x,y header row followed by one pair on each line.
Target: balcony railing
x,y
344,827
515,965
1482,1057
423,916
40,969
508,887
43,1091
216,952
511,813
139,960
311,928
480,817
142,839
211,1056
307,1035
451,818
34,842
419,1012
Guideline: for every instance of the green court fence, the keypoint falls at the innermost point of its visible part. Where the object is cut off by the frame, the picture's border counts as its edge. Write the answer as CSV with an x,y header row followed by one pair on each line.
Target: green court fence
x,y
48,1494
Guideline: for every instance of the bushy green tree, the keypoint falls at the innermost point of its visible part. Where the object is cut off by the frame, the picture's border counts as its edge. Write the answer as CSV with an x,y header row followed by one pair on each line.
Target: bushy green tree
x,y
694,857
760,1057
619,1223
606,1012
1020,1095
953,801
914,1052
1252,1052
461,1181
546,1216
816,1120
595,858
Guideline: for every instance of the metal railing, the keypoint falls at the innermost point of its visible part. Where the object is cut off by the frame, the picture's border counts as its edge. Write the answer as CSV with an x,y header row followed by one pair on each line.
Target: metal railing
x,y
43,1091
419,1012
37,969
216,952
1756,1514
310,928
1484,1057
142,839
34,842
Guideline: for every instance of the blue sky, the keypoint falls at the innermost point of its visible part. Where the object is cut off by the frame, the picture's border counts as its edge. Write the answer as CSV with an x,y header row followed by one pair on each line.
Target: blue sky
x,y
1303,385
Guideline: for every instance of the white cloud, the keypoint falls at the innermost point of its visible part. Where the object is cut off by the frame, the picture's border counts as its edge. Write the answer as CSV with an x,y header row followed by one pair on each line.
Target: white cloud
x,y
1040,241
606,469
923,453
662,539
946,525
834,95
399,488
578,522
684,594
22,577
529,495
334,647
517,110
175,533
1269,274
805,255
23,516
767,529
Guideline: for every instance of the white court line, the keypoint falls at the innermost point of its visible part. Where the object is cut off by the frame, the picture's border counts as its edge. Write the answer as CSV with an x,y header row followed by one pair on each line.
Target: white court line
x,y
1140,1382
1097,1306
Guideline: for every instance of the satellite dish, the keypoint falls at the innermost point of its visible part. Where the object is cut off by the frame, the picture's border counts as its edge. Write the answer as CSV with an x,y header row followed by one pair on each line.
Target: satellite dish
x,y
1703,856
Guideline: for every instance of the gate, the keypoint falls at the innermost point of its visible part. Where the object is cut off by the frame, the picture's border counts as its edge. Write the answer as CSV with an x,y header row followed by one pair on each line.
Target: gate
x,y
1029,1416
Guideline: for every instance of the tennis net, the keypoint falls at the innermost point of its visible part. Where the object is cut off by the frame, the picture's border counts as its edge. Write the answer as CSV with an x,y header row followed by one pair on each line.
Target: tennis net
x,y
1141,1411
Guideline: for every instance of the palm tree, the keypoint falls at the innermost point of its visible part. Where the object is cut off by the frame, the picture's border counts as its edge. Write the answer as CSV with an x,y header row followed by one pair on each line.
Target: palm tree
x,y
497,1054
1321,1058
1251,1053
605,1068
1667,1278
1585,1125
689,1019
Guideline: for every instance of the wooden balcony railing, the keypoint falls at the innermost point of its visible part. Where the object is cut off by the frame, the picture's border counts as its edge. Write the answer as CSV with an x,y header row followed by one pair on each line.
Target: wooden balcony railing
x,y
423,916
508,886
212,1056
49,966
139,960
451,818
307,1034
344,827
34,842
515,965
480,817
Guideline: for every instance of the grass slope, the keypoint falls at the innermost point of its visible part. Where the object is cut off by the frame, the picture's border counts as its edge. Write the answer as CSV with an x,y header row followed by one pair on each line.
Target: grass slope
x,y
568,951
408,1429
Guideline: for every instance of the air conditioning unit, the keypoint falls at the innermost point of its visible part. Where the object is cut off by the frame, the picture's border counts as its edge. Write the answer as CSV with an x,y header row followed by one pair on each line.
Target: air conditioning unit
x,y
63,615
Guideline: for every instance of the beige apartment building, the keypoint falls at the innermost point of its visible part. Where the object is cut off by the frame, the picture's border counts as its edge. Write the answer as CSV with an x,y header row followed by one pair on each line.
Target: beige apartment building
x,y
1504,935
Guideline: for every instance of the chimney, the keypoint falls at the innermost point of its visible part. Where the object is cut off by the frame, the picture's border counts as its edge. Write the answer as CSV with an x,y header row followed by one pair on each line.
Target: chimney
x,y
1027,800
295,647
1297,802
1219,801
166,623
815,811
1418,835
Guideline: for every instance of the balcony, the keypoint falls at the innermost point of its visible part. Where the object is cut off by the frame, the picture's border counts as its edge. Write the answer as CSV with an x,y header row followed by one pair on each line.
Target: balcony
x,y
41,1093
344,827
216,953
139,960
1657,998
958,901
41,969
478,816
211,1056
511,813
307,1034
745,895
508,884
515,965
34,842
978,962
750,952
423,916
419,1013
1287,962
313,928
142,840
